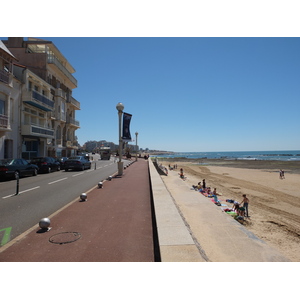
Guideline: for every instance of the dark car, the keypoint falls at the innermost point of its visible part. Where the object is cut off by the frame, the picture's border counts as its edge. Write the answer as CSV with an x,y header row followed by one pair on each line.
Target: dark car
x,y
14,168
77,163
62,161
46,164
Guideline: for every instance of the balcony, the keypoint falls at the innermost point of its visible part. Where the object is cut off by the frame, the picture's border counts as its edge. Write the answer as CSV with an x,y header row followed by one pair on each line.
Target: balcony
x,y
4,124
5,77
51,59
60,116
73,122
74,102
38,100
37,130
71,145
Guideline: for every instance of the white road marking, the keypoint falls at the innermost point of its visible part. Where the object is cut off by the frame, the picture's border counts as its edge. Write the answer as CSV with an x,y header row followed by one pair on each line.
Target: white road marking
x,y
37,187
58,180
77,174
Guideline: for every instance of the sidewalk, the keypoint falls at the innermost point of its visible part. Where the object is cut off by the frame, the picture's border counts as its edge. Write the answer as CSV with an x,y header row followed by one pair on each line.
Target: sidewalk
x,y
113,225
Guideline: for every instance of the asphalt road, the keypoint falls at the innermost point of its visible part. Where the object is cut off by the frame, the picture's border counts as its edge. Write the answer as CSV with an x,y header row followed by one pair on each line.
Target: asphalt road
x,y
42,195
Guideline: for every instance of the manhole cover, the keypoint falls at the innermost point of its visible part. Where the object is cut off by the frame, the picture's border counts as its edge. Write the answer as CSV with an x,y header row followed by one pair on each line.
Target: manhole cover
x,y
65,237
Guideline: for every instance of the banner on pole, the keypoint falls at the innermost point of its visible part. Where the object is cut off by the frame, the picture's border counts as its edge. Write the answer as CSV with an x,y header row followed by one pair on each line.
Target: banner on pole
x,y
126,136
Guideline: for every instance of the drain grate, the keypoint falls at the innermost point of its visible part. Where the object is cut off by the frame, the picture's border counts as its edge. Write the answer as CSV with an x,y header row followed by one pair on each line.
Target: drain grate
x,y
65,237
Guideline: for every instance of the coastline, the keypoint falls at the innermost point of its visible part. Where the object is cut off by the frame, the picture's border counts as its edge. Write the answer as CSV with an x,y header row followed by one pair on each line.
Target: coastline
x,y
273,165
274,203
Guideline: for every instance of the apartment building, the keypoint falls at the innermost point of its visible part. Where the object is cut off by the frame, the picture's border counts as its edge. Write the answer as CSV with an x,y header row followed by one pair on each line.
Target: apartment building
x,y
47,117
10,93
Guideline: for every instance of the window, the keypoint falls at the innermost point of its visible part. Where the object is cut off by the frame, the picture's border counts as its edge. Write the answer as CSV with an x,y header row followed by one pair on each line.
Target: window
x,y
2,107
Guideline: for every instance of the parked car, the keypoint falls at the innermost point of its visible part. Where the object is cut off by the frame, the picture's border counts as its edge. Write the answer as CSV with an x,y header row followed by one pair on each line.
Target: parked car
x,y
77,163
14,168
62,161
46,164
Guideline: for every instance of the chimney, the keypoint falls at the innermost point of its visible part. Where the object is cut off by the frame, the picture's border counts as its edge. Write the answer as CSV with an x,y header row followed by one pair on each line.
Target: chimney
x,y
15,42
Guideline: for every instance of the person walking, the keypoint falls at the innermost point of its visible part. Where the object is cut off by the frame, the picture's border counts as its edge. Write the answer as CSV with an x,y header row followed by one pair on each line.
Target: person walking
x,y
245,203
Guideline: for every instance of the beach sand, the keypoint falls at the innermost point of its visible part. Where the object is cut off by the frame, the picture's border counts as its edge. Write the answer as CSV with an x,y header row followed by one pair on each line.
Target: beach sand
x,y
274,206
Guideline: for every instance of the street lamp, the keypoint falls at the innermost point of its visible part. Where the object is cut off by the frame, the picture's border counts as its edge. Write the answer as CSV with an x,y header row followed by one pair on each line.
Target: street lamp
x,y
120,108
136,135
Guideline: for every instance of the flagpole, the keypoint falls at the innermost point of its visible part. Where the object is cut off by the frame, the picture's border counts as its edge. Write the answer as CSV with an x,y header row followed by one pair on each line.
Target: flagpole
x,y
120,108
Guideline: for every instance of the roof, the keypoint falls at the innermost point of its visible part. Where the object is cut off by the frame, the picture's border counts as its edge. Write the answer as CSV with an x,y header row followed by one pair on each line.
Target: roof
x,y
3,47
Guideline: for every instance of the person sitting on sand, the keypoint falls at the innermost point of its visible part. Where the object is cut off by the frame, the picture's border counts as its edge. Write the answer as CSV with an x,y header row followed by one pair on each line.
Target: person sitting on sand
x,y
197,187
215,192
208,191
241,211
236,207
181,174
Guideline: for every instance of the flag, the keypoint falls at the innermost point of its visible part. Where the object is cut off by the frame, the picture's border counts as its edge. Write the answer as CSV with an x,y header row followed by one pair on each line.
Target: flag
x,y
126,136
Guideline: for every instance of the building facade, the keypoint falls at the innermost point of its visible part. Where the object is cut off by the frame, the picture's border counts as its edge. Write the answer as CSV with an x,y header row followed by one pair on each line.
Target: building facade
x,y
10,93
47,107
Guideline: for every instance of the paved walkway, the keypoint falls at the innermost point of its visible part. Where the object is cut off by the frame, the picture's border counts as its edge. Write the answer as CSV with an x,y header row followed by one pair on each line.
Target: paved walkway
x,y
113,225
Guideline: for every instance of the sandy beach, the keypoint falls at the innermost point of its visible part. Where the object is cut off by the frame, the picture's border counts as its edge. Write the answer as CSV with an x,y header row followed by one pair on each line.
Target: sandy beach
x,y
274,206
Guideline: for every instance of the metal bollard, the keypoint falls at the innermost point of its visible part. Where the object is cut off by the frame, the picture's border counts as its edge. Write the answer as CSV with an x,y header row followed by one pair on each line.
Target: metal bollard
x,y
17,188
83,197
44,224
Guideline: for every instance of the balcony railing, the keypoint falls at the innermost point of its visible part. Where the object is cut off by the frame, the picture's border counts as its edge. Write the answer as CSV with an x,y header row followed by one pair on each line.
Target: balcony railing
x,y
39,97
3,121
73,101
38,100
60,116
5,77
73,121
53,60
37,130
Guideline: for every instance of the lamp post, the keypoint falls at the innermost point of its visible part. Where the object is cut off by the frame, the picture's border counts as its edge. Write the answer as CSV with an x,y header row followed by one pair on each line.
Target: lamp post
x,y
136,135
120,108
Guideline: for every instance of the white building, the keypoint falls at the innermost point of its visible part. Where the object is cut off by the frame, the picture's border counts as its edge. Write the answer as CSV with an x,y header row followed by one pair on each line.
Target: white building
x,y
10,93
47,108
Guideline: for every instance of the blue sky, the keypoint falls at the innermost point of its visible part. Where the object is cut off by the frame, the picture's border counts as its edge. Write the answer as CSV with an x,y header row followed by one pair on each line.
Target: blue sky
x,y
189,94
193,77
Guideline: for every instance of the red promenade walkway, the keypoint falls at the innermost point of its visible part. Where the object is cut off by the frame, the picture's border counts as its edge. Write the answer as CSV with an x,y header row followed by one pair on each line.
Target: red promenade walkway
x,y
113,225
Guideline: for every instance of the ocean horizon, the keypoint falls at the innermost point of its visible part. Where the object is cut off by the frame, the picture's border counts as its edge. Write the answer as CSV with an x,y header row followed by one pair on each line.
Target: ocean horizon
x,y
288,155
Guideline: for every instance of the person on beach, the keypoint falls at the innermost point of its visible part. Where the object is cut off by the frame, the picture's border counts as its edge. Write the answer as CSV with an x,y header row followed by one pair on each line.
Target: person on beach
x,y
197,187
181,174
236,207
281,174
203,184
208,191
215,192
245,203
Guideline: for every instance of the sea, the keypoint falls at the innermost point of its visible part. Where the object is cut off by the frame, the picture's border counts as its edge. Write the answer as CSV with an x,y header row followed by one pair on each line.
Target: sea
x,y
293,155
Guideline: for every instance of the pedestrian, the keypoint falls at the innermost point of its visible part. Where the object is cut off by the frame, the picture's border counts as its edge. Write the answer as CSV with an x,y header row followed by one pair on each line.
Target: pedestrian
x,y
203,184
245,203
